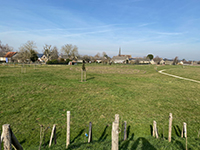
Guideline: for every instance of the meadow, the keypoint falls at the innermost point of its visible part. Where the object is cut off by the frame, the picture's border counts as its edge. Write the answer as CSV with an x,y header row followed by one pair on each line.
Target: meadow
x,y
138,93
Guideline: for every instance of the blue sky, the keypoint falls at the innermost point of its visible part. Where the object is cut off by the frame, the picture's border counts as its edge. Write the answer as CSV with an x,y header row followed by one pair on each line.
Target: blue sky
x,y
166,28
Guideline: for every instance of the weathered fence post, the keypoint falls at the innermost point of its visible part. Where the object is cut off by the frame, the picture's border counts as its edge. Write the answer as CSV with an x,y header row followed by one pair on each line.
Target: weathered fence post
x,y
170,127
155,131
6,136
185,133
53,135
115,132
117,118
125,132
90,133
9,139
41,127
85,75
68,129
81,75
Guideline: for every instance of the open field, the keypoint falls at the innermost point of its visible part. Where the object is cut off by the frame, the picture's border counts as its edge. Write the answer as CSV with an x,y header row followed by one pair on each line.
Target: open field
x,y
138,94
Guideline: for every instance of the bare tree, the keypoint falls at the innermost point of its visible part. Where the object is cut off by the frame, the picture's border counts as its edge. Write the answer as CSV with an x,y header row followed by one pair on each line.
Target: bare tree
x,y
54,53
98,55
70,50
157,59
4,49
175,61
27,51
66,49
74,52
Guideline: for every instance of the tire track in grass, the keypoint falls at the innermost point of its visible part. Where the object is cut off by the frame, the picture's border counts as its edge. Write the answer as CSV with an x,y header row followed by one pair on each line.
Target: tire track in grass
x,y
161,72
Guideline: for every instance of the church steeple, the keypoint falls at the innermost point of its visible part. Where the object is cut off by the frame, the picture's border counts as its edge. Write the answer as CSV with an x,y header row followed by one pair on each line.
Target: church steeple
x,y
119,51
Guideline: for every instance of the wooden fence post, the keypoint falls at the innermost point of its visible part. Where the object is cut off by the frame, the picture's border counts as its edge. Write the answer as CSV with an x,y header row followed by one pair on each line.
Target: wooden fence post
x,y
81,75
41,127
115,133
53,135
117,118
6,135
185,133
155,131
125,132
170,127
90,133
68,129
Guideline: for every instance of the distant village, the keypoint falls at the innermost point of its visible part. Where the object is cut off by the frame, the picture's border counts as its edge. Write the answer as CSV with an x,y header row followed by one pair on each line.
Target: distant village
x,y
50,55
11,57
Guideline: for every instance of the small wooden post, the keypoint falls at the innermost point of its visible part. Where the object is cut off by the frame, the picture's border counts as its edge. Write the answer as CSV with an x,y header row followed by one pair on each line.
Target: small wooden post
x,y
53,135
85,75
41,127
155,132
68,129
170,127
81,75
125,132
185,133
6,135
90,133
115,128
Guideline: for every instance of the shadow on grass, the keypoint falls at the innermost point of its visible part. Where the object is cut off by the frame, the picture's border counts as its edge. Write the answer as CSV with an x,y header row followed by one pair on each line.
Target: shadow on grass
x,y
103,135
151,129
81,132
177,130
125,145
180,144
145,144
90,78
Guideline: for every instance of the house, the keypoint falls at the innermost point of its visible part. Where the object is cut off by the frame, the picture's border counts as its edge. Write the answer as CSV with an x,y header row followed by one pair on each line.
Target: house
x,y
2,59
162,62
42,58
168,61
119,59
152,62
9,56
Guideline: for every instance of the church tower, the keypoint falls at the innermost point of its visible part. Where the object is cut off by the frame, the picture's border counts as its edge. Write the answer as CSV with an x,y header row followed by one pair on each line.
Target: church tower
x,y
119,51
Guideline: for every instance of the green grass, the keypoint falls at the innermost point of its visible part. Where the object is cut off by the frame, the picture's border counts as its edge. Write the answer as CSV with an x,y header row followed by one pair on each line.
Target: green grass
x,y
138,94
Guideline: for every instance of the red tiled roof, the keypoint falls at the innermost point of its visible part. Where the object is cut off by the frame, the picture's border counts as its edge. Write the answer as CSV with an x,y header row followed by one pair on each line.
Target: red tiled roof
x,y
10,54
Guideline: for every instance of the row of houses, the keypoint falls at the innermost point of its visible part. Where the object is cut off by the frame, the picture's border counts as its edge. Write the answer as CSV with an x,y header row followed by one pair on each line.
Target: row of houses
x,y
120,59
12,57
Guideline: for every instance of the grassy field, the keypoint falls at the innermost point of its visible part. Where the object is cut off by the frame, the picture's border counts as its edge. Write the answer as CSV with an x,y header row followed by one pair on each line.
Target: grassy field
x,y
139,94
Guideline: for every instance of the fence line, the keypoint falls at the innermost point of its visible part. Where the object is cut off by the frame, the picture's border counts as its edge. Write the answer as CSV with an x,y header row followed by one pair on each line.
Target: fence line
x,y
9,138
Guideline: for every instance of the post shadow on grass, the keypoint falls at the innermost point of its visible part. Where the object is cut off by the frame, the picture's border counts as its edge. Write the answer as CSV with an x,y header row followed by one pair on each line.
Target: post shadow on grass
x,y
103,135
125,144
90,78
22,142
151,130
145,144
177,130
80,133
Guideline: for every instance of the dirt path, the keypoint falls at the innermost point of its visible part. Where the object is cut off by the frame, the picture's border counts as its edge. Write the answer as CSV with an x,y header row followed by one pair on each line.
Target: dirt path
x,y
161,71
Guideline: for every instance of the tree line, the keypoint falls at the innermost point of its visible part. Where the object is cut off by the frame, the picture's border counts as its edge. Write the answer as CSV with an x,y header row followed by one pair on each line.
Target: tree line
x,y
28,52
